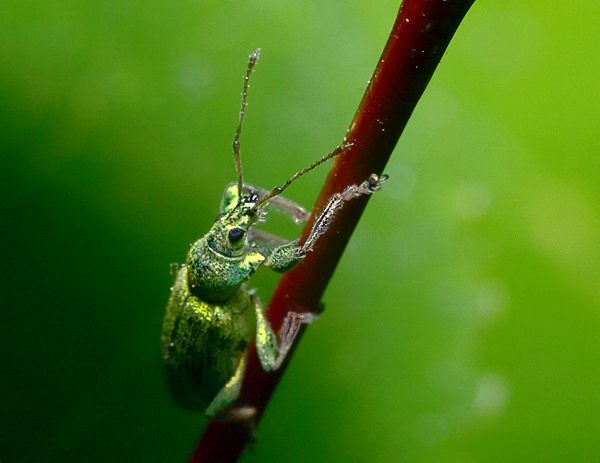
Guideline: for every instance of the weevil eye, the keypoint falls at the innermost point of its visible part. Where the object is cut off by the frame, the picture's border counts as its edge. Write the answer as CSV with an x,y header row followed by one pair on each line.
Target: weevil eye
x,y
236,234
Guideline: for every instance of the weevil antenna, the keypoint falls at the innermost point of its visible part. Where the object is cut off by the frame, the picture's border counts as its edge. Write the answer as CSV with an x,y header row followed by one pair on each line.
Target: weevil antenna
x,y
236,141
279,189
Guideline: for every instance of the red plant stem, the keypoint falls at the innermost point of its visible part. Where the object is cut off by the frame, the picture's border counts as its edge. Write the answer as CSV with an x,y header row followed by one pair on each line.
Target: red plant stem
x,y
416,44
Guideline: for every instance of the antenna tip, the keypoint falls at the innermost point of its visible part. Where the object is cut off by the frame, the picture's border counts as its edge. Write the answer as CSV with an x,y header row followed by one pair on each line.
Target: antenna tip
x,y
255,55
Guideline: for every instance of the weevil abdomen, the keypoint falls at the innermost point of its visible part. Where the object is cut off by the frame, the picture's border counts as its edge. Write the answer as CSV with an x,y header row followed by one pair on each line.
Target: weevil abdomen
x,y
203,343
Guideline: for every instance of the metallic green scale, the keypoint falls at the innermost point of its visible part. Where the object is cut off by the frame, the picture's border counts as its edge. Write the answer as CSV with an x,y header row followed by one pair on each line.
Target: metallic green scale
x,y
203,343
211,318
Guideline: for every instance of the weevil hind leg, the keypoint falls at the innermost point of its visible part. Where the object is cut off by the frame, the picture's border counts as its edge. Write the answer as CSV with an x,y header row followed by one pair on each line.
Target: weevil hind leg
x,y
229,393
272,351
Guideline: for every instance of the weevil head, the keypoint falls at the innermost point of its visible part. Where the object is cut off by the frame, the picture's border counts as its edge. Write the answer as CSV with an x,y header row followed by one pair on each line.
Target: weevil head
x,y
217,263
228,235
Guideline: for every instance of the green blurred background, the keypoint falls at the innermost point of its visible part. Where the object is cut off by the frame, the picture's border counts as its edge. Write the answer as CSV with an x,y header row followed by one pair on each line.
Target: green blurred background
x,y
462,324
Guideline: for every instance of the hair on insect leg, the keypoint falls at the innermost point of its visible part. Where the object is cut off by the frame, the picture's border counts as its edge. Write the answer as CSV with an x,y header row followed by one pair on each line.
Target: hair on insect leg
x,y
336,203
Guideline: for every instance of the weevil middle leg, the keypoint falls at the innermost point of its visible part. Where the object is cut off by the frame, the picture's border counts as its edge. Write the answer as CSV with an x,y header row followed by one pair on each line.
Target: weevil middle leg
x,y
272,351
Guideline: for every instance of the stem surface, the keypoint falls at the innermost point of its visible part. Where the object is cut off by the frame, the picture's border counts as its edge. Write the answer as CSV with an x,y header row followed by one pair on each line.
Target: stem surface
x,y
420,35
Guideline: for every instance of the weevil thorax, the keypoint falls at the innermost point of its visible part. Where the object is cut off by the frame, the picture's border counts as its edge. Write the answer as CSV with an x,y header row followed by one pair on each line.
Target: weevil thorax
x,y
218,262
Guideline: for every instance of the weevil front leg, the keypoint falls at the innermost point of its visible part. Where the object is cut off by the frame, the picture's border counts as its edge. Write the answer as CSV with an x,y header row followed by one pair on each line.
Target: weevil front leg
x,y
285,257
335,203
281,204
292,209
272,351
296,212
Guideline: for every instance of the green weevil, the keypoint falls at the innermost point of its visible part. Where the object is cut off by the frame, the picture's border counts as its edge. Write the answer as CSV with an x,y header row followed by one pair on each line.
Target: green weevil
x,y
211,316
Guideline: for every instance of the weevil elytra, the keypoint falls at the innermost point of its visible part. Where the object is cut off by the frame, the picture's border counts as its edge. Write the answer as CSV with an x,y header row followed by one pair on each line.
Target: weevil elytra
x,y
211,317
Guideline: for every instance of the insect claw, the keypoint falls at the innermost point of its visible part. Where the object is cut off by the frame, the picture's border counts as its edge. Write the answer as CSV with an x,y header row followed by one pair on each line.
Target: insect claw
x,y
254,56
